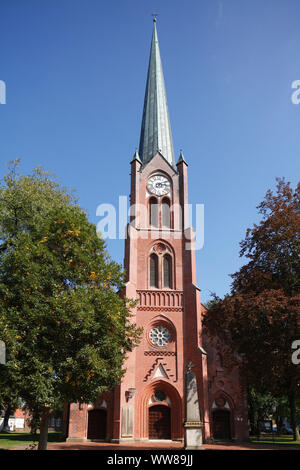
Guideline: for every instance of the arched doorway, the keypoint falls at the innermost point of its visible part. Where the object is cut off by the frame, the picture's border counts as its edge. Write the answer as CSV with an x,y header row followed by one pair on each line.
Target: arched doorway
x,y
159,422
160,393
221,424
96,424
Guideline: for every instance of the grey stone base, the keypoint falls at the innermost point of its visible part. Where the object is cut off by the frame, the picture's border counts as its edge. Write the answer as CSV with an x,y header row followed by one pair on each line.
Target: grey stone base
x,y
194,448
122,439
193,436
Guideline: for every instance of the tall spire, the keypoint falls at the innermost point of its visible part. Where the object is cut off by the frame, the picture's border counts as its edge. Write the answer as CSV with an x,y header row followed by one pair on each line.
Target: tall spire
x,y
156,133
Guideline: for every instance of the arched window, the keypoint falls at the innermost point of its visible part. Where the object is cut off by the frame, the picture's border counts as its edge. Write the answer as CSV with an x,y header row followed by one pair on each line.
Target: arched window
x,y
153,270
153,212
219,361
167,271
166,213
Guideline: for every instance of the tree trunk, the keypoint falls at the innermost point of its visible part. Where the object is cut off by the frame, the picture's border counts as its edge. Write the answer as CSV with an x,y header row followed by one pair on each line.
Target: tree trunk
x,y
251,415
6,418
292,403
279,422
44,428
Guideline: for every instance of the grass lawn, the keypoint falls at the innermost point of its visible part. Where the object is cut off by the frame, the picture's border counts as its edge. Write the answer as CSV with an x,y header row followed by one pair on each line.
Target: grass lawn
x,y
11,440
284,440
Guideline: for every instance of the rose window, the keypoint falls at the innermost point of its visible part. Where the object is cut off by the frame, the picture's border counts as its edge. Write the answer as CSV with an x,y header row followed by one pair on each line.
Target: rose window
x,y
159,336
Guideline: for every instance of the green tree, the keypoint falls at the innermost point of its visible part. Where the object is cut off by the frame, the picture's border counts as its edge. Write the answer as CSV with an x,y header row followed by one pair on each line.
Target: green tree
x,y
66,328
260,319
262,406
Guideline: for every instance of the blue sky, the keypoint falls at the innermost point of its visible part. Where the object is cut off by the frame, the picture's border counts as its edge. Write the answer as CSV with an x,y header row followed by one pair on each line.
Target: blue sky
x,y
75,72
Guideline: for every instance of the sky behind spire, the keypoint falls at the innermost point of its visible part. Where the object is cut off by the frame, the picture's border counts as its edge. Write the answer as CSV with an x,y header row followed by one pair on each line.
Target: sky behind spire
x,y
75,76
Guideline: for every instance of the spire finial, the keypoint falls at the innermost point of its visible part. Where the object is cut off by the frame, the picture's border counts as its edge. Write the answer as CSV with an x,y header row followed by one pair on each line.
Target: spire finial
x,y
154,17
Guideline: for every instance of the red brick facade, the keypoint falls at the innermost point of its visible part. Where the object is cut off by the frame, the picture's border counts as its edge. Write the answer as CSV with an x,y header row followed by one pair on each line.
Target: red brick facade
x,y
160,369
161,274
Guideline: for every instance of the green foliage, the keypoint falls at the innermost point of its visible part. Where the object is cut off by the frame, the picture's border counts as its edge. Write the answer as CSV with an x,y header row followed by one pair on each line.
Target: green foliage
x,y
262,406
273,246
260,319
66,328
25,440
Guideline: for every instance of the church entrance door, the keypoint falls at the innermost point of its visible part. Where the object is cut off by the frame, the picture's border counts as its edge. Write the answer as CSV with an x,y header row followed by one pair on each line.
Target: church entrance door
x,y
221,424
159,422
96,424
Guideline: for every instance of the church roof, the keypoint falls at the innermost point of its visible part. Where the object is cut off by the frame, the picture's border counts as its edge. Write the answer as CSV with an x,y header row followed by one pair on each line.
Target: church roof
x,y
156,133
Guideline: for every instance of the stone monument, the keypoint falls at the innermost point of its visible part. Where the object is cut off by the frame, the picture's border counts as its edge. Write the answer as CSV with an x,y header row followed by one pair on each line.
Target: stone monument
x,y
193,422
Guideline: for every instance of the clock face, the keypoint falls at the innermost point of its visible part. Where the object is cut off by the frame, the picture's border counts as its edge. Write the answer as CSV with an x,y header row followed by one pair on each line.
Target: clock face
x,y
158,185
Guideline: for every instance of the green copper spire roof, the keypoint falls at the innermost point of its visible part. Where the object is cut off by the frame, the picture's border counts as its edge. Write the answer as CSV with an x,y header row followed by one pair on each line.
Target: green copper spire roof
x,y
181,158
136,157
156,133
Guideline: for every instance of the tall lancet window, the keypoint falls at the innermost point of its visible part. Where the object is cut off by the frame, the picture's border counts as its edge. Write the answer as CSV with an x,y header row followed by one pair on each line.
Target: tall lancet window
x,y
153,212
166,213
167,271
153,270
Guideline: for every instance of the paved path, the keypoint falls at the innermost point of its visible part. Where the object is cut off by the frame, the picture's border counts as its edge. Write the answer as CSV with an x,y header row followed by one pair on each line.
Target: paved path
x,y
161,446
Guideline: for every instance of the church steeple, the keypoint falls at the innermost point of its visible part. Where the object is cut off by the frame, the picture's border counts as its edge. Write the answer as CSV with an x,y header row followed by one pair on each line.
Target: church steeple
x,y
156,133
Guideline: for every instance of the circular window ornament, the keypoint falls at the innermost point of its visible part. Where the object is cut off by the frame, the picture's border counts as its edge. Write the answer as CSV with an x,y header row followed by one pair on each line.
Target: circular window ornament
x,y
160,335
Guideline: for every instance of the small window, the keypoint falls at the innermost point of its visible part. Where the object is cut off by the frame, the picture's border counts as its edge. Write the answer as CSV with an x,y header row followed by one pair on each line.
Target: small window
x,y
219,361
153,271
167,271
153,212
166,213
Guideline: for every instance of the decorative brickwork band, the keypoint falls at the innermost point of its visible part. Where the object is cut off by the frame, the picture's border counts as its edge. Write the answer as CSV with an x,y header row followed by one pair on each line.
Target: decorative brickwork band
x,y
160,353
156,298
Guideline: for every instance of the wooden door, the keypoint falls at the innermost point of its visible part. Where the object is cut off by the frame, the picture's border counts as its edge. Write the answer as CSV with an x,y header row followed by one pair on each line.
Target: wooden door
x,y
221,424
96,424
159,422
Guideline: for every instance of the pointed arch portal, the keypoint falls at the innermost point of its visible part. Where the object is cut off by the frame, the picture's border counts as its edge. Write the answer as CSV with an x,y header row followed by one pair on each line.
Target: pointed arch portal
x,y
155,419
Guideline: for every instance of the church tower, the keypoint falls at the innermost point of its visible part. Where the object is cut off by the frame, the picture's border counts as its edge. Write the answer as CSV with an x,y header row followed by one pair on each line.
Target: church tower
x,y
160,267
151,401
